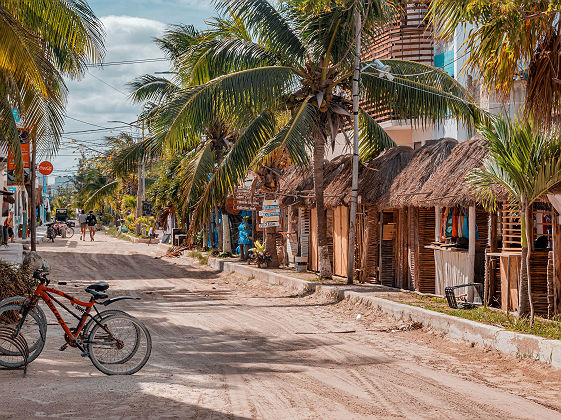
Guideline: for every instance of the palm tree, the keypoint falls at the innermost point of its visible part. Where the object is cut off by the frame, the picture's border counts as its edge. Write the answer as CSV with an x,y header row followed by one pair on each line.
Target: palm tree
x,y
40,41
526,162
508,41
302,65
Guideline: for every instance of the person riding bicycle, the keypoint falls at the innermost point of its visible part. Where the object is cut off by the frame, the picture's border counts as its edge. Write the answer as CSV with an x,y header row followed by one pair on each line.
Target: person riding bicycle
x,y
91,220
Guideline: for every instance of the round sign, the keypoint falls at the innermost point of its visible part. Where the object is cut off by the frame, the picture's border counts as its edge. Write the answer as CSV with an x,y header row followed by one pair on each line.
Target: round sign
x,y
45,168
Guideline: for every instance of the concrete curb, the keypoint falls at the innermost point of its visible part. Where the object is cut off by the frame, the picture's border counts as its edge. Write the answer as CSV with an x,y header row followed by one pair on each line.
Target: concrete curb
x,y
509,342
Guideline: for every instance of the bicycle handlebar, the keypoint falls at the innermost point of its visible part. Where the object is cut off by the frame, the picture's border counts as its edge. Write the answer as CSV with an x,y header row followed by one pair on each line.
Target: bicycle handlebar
x,y
41,275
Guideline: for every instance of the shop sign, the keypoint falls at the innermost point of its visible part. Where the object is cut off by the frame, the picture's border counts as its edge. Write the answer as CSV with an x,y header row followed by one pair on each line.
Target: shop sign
x,y
46,168
269,224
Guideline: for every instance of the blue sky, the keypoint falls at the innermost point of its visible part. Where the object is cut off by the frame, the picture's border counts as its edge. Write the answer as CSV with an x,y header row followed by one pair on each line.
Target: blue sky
x,y
101,95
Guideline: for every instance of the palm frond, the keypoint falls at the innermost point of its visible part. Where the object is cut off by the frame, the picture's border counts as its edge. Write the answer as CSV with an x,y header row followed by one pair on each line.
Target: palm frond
x,y
151,88
233,168
419,93
274,30
296,137
373,138
102,193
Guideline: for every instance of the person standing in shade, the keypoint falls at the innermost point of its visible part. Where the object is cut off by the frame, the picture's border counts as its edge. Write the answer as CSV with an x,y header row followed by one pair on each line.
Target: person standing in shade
x,y
83,221
92,223
244,238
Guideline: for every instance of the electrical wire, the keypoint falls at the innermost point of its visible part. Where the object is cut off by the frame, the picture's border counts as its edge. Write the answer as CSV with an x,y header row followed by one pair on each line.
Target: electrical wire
x,y
84,122
107,84
125,62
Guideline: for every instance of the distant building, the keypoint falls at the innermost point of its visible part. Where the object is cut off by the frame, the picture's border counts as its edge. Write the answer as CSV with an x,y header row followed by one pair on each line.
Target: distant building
x,y
63,182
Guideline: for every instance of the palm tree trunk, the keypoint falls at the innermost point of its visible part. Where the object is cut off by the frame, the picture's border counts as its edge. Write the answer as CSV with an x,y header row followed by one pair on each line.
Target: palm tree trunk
x,y
525,303
219,245
226,237
529,225
523,306
324,260
205,236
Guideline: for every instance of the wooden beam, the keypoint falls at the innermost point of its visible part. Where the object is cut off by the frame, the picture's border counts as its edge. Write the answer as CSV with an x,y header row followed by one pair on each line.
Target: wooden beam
x,y
556,239
471,245
438,224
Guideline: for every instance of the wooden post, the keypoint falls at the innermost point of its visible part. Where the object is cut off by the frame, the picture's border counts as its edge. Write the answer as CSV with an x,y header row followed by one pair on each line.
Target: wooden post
x,y
556,239
471,245
493,243
438,224
33,198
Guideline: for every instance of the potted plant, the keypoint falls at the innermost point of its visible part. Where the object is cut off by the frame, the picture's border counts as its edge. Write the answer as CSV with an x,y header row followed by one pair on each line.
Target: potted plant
x,y
259,255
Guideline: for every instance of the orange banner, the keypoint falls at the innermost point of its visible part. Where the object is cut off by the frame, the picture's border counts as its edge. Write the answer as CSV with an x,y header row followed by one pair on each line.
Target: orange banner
x,y
24,154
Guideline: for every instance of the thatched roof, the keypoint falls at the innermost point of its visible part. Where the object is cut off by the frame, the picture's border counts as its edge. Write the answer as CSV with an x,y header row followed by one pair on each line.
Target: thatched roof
x,y
377,177
407,185
297,183
448,186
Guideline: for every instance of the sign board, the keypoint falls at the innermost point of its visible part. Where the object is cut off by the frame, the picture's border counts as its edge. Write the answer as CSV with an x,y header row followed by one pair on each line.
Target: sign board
x,y
146,208
16,114
243,200
25,157
270,203
269,224
46,168
269,213
271,219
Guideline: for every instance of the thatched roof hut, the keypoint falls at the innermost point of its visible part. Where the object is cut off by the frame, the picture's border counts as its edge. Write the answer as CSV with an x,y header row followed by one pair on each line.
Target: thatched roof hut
x,y
448,186
407,185
377,177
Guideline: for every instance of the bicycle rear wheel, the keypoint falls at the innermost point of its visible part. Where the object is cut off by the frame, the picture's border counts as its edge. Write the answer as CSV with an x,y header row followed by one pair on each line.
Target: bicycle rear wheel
x,y
121,345
69,232
34,330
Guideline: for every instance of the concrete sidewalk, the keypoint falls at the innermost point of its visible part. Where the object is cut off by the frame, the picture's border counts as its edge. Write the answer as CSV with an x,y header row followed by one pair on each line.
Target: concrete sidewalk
x,y
475,333
12,254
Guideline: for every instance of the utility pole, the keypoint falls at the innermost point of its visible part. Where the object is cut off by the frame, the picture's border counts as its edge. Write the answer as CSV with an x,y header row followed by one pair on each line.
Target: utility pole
x,y
354,184
33,198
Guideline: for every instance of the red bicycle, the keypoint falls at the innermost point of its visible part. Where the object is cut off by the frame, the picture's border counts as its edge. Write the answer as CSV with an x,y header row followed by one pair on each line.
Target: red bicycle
x,y
116,342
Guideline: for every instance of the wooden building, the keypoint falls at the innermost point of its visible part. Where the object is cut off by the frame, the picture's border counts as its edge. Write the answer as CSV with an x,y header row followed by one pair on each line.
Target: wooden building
x,y
411,226
460,223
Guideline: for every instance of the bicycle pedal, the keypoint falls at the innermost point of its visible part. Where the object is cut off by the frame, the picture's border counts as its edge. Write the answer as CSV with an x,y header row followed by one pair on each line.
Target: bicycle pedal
x,y
63,347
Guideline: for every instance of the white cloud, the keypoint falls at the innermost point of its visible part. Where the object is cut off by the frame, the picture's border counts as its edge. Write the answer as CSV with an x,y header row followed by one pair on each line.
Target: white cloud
x,y
127,38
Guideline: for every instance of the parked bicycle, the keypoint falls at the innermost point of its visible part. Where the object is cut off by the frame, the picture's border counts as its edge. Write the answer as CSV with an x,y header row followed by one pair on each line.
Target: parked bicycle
x,y
116,343
65,230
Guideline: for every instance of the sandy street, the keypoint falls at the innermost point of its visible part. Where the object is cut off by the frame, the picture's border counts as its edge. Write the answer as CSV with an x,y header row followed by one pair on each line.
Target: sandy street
x,y
225,346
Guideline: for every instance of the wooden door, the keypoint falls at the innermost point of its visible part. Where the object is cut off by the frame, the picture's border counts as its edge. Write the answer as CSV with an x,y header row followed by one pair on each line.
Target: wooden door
x,y
313,261
340,240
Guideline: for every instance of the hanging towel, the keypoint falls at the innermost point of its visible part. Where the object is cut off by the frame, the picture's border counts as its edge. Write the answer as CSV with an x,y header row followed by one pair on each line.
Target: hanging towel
x,y
449,222
455,220
461,224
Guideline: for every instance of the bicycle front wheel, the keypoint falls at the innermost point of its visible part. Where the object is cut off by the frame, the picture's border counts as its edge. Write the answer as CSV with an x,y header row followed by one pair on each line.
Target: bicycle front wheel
x,y
34,330
120,345
69,232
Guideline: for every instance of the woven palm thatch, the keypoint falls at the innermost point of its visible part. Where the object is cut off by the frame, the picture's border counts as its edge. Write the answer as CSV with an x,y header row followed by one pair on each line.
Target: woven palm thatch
x,y
448,186
377,177
406,186
297,183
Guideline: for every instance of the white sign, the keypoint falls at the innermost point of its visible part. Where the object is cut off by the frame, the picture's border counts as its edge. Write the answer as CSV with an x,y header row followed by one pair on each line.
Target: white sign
x,y
269,213
269,224
270,203
274,208
271,219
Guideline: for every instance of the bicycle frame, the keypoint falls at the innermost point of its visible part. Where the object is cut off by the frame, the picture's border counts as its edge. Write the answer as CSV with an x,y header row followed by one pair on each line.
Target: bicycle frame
x,y
43,292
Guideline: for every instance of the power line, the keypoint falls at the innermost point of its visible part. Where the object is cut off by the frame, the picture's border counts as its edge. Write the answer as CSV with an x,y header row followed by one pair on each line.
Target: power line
x,y
125,62
84,122
96,130
107,84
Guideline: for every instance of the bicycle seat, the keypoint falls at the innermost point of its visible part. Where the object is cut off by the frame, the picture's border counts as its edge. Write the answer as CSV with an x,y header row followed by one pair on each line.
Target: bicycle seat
x,y
97,295
99,287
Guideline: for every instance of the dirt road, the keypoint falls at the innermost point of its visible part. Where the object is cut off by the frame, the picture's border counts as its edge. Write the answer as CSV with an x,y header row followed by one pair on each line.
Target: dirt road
x,y
230,347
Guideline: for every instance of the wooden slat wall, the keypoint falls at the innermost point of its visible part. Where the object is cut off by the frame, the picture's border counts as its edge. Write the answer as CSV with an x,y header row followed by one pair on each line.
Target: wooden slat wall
x,y
426,226
369,262
313,259
340,240
538,268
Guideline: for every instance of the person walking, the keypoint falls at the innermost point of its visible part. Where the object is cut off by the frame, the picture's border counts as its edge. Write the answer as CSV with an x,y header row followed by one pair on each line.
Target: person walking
x,y
83,221
244,238
10,224
92,223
